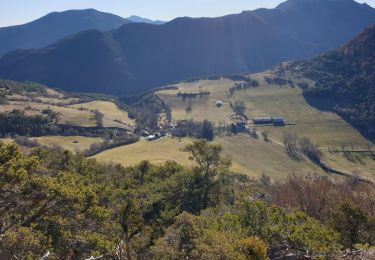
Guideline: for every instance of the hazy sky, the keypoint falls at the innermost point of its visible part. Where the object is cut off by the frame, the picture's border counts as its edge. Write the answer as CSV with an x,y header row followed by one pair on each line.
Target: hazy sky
x,y
21,11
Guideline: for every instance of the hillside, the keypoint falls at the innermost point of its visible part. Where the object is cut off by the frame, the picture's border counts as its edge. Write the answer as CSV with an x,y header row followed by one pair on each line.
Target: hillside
x,y
346,77
76,110
336,138
140,56
55,26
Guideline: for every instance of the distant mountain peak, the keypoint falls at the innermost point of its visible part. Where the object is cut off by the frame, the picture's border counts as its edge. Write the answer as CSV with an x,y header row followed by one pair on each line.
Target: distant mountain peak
x,y
138,19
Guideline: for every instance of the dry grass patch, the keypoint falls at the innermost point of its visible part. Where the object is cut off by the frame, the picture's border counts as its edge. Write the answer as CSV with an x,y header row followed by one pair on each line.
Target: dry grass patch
x,y
71,143
201,107
156,152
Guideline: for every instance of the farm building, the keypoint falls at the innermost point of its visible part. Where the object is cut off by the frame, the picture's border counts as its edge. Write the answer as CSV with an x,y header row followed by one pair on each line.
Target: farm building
x,y
262,120
275,120
278,121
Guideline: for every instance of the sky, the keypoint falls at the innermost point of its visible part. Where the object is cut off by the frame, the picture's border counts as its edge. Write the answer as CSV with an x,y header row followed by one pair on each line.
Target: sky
x,y
13,12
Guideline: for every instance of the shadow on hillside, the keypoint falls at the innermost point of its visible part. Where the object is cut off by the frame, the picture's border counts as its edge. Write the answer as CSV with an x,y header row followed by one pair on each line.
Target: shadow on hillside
x,y
326,104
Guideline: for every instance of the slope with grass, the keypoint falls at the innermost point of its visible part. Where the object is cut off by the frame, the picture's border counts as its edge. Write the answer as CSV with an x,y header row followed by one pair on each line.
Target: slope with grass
x,y
249,156
203,107
74,109
272,98
71,143
287,100
113,116
67,115
156,152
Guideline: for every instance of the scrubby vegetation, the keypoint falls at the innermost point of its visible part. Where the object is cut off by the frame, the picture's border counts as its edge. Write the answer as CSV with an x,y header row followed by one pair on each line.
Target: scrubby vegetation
x,y
185,95
279,81
16,122
115,141
296,147
14,87
249,83
348,207
67,207
145,109
2,99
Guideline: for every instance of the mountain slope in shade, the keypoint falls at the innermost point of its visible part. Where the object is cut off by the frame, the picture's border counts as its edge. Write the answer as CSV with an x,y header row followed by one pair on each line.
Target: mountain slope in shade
x,y
87,61
138,19
147,56
327,23
55,26
155,55
346,77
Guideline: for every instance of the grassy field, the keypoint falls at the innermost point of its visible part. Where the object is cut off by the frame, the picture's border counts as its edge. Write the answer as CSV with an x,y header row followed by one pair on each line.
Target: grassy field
x,y
156,152
202,107
113,116
68,115
249,156
255,157
71,143
362,164
325,128
55,101
6,140
72,112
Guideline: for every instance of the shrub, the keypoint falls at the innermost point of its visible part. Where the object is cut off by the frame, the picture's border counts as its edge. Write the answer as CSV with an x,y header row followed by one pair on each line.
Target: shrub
x,y
255,248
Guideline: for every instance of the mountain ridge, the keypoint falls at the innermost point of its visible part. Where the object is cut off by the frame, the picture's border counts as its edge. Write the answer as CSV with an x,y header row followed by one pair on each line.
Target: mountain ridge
x,y
148,56
55,26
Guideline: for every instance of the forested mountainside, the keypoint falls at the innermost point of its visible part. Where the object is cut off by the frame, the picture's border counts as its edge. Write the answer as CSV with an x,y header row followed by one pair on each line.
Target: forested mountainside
x,y
346,77
140,56
55,26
